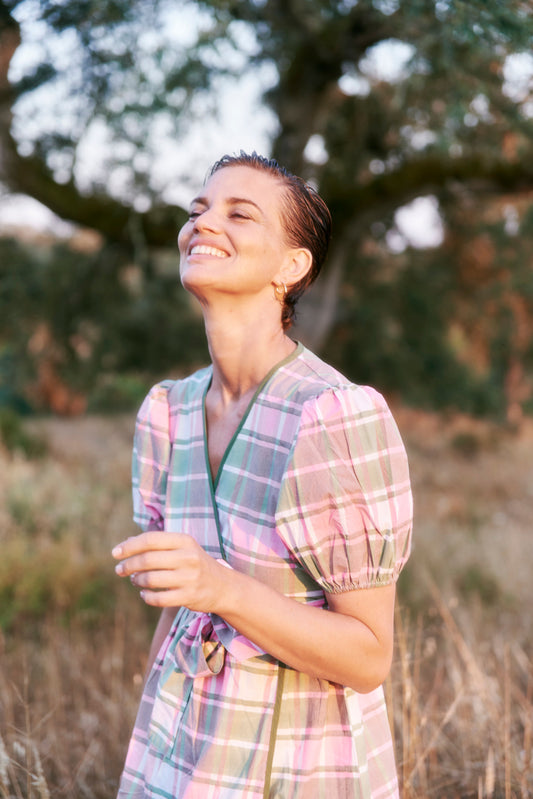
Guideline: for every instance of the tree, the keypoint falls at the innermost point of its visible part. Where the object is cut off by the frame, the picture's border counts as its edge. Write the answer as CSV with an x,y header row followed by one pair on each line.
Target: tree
x,y
447,122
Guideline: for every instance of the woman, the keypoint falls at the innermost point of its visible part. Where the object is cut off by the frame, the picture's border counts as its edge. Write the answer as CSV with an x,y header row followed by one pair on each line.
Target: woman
x,y
265,677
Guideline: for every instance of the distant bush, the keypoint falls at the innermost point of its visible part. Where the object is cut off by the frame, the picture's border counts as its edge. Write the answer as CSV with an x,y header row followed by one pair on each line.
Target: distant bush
x,y
38,582
466,444
16,438
77,327
475,581
117,393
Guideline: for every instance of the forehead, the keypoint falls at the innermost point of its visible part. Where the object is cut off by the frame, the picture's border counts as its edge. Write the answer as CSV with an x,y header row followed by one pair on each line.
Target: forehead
x,y
265,190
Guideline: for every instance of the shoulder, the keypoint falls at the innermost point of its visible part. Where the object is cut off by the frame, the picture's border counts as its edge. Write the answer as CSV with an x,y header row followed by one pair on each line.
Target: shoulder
x,y
307,376
339,418
168,398
177,392
324,392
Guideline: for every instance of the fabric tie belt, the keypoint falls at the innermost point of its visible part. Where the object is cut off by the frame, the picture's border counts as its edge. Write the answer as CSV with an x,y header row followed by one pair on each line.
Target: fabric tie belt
x,y
199,642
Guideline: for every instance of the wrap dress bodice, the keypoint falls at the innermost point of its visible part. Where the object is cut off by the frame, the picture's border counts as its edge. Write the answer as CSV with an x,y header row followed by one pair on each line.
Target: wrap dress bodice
x,y
312,496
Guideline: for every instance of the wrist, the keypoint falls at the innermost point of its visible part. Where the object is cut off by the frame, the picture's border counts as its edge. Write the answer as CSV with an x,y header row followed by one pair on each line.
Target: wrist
x,y
232,596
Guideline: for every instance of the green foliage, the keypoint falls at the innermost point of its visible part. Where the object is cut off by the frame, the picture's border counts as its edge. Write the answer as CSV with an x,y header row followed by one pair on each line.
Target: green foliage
x,y
115,393
128,67
91,316
466,444
474,581
39,581
445,122
392,332
15,438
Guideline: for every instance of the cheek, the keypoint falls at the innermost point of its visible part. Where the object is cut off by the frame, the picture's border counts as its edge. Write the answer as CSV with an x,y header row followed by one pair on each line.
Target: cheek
x,y
183,238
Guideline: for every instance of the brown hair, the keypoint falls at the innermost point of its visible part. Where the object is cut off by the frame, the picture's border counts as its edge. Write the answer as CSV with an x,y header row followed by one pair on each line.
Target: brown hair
x,y
307,222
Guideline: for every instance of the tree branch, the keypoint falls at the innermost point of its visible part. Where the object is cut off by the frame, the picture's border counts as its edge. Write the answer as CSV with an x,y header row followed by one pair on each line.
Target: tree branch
x,y
424,175
30,175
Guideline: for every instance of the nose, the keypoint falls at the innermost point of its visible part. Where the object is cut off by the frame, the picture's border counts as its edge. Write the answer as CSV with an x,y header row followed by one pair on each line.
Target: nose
x,y
208,219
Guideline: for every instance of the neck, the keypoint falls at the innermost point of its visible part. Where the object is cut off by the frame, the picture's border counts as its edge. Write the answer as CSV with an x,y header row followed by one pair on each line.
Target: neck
x,y
243,351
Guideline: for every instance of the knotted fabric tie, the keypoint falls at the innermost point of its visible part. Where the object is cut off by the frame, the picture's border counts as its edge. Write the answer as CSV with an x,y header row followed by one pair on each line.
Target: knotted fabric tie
x,y
199,642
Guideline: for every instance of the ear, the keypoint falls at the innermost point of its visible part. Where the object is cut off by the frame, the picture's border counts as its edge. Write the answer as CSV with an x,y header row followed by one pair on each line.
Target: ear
x,y
296,265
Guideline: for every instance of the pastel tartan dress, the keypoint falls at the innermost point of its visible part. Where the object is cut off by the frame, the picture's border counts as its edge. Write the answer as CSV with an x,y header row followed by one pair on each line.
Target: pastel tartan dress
x,y
312,497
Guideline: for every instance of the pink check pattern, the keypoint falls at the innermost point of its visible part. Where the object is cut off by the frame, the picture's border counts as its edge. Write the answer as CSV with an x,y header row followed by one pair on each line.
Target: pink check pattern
x,y
313,496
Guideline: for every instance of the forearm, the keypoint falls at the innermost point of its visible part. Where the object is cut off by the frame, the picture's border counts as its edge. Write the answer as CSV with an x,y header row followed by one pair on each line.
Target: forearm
x,y
351,643
326,644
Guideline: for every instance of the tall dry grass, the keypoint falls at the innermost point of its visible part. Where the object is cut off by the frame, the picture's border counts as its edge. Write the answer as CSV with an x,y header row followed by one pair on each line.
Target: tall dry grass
x,y
71,657
68,697
462,710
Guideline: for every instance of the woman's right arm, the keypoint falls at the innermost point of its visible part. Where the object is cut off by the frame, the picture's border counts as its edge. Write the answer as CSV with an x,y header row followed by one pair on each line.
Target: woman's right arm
x,y
161,631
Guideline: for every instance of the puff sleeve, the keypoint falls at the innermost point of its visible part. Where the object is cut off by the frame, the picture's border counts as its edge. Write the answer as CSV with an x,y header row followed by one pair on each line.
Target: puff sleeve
x,y
345,504
151,455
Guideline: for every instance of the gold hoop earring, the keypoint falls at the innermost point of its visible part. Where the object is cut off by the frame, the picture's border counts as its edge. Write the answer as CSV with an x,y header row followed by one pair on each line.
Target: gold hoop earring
x,y
280,290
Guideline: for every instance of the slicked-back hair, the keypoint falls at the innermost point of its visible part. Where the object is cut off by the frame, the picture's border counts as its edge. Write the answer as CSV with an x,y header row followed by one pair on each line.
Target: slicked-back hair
x,y
306,221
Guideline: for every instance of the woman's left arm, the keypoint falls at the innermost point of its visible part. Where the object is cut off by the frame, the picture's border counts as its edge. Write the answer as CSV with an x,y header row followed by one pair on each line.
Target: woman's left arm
x,y
350,644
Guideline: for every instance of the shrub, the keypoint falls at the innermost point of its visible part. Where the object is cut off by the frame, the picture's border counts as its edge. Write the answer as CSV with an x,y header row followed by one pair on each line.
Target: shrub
x,y
16,438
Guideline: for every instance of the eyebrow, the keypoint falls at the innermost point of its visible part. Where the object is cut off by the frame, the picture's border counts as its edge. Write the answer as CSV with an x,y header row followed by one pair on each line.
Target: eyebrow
x,y
230,201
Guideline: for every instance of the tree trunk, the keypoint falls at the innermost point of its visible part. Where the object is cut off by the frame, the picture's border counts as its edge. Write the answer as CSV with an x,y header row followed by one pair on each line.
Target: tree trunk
x,y
317,308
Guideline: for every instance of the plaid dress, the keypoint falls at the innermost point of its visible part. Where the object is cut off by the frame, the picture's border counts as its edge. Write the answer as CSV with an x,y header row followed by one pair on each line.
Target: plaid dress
x,y
312,497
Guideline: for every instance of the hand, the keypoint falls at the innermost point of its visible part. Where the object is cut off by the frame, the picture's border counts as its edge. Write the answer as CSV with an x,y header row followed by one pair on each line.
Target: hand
x,y
172,570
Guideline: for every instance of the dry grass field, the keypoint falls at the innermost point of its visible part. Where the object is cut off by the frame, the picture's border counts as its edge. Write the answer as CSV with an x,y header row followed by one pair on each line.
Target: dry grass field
x,y
75,637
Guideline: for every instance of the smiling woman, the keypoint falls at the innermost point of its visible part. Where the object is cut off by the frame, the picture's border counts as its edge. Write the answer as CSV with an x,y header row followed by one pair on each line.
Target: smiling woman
x,y
264,678
238,218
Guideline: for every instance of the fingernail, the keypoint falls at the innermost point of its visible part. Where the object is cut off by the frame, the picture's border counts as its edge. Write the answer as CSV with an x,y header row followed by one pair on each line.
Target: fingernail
x,y
116,552
119,568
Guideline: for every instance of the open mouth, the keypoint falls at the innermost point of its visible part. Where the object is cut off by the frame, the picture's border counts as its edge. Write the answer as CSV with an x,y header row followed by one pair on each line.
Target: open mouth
x,y
204,249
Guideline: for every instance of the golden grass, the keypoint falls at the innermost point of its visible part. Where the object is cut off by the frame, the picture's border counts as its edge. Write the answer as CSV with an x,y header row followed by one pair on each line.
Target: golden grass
x,y
462,711
68,700
73,648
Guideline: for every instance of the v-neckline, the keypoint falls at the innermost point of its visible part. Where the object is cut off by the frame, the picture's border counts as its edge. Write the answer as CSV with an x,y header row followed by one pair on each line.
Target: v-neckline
x,y
215,479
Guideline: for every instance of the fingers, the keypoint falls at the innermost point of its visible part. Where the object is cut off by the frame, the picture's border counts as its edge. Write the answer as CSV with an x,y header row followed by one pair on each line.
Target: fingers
x,y
152,551
152,540
163,599
170,589
160,580
149,561
172,570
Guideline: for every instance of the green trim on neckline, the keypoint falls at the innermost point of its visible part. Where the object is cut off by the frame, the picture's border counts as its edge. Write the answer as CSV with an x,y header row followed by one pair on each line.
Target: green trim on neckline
x,y
213,482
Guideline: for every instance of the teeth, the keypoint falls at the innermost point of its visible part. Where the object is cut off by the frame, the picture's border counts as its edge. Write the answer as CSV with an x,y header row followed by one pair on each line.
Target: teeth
x,y
204,249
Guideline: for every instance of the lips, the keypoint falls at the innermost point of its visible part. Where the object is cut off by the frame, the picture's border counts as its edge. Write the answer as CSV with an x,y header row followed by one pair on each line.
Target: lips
x,y
206,249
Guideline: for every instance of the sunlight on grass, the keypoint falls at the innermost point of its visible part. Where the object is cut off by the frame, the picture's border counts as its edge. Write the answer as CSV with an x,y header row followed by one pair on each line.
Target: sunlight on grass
x,y
73,638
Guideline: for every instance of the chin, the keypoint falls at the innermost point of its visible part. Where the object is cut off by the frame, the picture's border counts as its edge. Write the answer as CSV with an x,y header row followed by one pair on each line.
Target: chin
x,y
194,284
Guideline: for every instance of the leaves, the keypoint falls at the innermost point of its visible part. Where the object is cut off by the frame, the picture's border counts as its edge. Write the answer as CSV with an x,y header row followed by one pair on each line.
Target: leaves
x,y
401,99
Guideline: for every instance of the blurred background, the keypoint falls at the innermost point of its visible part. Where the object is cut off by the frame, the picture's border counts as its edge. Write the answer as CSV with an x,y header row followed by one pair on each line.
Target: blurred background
x,y
414,120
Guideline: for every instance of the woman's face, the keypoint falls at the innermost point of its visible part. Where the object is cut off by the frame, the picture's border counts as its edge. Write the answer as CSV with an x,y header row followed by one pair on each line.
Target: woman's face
x,y
234,241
